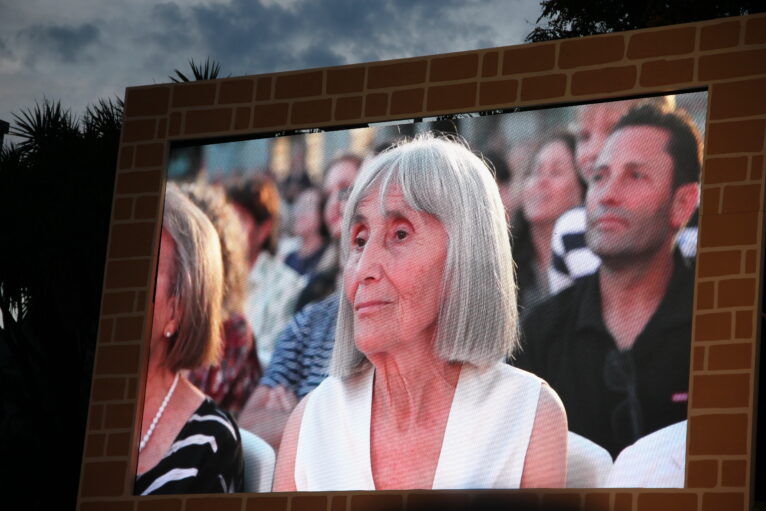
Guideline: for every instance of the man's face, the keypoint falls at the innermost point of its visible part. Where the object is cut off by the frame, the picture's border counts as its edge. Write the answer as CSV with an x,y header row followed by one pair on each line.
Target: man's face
x,y
594,123
630,195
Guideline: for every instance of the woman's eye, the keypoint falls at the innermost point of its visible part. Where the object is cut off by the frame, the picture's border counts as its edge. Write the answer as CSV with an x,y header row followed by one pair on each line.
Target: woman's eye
x,y
359,241
400,234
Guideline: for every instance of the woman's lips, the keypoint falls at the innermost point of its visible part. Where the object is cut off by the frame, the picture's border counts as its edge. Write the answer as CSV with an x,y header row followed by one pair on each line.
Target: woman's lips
x,y
370,305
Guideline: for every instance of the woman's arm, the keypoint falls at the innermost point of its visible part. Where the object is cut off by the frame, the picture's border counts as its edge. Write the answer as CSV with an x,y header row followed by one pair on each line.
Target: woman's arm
x,y
284,474
546,463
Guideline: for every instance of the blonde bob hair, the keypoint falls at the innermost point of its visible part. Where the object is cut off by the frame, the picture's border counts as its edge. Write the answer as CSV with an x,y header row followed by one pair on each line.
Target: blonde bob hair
x,y
478,320
196,283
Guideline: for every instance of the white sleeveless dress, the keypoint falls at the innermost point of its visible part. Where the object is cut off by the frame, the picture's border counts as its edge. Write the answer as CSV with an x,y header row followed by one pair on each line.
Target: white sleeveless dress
x,y
484,446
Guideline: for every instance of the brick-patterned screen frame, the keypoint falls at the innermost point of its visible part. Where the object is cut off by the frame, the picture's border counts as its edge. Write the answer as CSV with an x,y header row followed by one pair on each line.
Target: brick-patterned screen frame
x,y
727,56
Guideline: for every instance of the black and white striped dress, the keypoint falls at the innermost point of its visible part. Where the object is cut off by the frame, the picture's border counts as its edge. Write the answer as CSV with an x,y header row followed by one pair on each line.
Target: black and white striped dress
x,y
205,457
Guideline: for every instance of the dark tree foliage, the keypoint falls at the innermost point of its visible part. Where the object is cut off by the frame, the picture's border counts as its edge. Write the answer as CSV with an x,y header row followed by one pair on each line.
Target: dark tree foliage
x,y
562,19
56,188
208,70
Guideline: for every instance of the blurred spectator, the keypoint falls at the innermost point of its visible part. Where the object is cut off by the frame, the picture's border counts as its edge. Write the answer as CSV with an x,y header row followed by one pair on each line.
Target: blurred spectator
x,y
309,226
231,381
615,345
551,186
505,182
273,287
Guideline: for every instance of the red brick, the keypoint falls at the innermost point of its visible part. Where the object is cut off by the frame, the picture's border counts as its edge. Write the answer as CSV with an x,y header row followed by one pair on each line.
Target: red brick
x,y
132,387
131,240
145,181
698,362
733,473
750,256
742,198
738,99
175,124
117,359
149,155
721,391
128,329
126,157
263,503
730,356
309,503
506,501
440,501
727,230
108,389
743,325
118,444
451,97
562,501
105,329
667,502
498,92
597,502
138,130
714,326
720,35
242,118
164,504
702,474
95,417
228,503
756,168
147,101
590,51
94,445
110,505
529,59
489,64
146,207
236,91
376,502
162,127
732,64
714,264
343,81
270,115
736,136
755,31
348,108
623,502
396,75
134,273
711,200
194,94
338,503
671,41
140,301
543,87
407,101
705,295
312,111
458,67
118,416
736,292
103,479
731,501
725,170
705,436
376,104
299,85
122,208
263,89
608,79
664,72
208,121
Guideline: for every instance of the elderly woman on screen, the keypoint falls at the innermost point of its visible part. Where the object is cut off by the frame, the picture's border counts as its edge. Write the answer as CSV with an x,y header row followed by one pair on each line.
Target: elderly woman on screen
x,y
187,445
419,396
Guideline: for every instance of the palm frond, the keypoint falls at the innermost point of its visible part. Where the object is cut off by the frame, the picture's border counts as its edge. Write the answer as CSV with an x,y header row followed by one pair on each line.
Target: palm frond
x,y
103,118
208,70
44,124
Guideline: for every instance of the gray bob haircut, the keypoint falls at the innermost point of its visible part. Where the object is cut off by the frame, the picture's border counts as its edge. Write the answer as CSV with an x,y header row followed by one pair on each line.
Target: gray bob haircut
x,y
478,320
196,283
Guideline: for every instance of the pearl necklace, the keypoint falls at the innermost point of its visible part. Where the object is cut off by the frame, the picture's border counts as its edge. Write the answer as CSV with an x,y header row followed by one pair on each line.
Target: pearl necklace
x,y
157,416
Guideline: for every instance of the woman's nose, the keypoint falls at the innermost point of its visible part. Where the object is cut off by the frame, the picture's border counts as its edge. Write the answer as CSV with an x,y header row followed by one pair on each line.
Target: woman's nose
x,y
370,263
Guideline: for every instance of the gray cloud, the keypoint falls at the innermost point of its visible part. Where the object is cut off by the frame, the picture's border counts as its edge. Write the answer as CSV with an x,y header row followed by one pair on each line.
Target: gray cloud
x,y
65,42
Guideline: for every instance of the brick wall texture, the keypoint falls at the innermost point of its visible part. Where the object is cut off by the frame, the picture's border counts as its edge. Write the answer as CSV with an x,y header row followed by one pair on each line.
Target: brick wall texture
x,y
727,57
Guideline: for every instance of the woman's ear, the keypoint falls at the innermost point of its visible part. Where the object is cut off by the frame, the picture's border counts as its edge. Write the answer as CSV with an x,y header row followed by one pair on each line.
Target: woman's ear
x,y
170,328
685,201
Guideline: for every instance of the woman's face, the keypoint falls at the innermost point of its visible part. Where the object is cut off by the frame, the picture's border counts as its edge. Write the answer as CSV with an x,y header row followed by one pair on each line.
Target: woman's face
x,y
394,273
164,304
551,187
307,214
338,182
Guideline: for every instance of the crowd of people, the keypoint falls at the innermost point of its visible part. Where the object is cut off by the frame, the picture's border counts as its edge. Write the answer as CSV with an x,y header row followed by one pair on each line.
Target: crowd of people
x,y
424,327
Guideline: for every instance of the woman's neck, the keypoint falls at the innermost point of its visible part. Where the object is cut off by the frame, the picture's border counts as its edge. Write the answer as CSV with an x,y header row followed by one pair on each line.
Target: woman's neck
x,y
541,241
310,245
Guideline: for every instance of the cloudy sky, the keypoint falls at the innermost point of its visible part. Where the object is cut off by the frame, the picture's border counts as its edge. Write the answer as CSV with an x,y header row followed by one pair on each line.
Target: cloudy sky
x,y
80,50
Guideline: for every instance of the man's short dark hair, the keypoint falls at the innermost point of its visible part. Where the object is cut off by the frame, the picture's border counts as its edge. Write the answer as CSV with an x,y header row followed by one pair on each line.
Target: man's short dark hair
x,y
684,144
259,197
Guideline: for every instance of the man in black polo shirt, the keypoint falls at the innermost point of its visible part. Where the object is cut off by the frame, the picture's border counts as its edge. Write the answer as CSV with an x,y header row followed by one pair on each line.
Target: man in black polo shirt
x,y
615,345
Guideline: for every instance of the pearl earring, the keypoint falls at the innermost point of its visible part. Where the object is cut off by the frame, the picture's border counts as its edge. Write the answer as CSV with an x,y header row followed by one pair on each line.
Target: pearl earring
x,y
168,334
